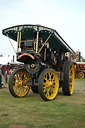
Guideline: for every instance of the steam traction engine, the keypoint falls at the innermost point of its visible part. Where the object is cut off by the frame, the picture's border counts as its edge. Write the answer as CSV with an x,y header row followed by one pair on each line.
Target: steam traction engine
x,y
80,70
42,50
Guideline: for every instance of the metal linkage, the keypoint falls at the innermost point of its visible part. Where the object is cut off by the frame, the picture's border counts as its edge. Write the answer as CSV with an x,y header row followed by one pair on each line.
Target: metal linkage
x,y
45,42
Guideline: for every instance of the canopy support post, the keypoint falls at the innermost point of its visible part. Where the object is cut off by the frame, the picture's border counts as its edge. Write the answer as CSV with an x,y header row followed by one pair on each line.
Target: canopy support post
x,y
37,42
17,41
11,44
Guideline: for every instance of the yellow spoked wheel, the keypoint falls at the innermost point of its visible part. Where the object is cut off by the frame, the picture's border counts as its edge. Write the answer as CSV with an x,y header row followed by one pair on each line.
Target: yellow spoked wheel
x,y
48,84
19,83
71,78
69,75
81,75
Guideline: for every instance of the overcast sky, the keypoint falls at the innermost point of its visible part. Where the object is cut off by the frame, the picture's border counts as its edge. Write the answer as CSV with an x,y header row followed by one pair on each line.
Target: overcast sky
x,y
67,17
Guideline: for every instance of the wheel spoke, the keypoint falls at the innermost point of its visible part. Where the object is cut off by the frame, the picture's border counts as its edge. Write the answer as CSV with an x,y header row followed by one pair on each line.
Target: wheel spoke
x,y
47,94
50,75
46,84
19,90
15,88
52,91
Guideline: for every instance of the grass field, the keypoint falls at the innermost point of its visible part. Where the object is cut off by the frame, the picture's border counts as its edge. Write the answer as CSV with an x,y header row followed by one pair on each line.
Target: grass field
x,y
32,112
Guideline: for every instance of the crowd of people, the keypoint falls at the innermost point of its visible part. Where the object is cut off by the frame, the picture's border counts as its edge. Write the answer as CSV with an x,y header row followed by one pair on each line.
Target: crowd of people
x,y
5,71
0,77
5,74
1,82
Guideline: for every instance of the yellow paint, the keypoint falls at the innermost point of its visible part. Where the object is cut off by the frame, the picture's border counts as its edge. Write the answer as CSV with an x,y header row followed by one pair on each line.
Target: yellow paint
x,y
71,78
19,83
50,84
81,75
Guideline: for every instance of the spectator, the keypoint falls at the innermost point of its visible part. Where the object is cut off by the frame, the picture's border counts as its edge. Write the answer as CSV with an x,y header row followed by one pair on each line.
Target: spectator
x,y
0,77
6,77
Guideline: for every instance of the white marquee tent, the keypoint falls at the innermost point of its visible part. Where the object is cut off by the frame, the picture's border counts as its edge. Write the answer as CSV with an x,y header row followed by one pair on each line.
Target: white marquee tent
x,y
5,60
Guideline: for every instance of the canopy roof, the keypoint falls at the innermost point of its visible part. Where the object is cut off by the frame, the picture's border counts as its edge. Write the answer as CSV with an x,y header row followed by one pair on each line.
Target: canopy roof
x,y
29,32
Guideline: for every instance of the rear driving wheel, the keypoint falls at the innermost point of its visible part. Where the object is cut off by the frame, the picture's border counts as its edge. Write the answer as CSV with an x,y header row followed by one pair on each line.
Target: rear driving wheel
x,y
19,83
69,75
48,84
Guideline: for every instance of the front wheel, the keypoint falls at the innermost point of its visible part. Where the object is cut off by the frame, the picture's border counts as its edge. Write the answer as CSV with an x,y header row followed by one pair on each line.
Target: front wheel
x,y
19,83
48,84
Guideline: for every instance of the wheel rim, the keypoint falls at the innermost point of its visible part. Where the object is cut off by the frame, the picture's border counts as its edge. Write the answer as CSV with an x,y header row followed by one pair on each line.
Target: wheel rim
x,y
71,78
20,87
50,85
81,75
